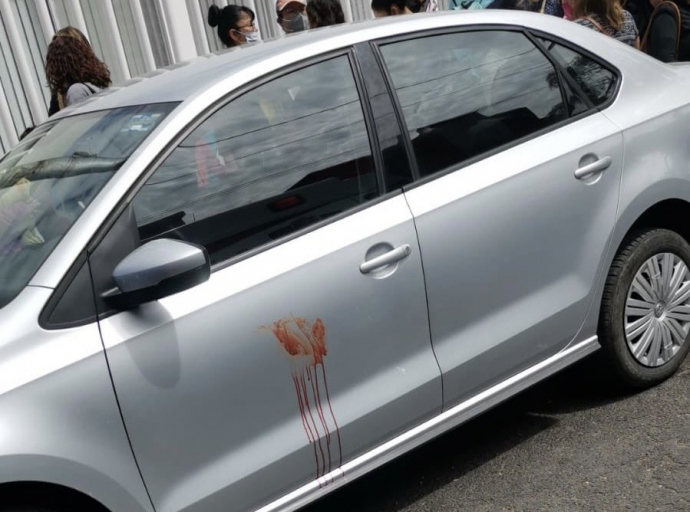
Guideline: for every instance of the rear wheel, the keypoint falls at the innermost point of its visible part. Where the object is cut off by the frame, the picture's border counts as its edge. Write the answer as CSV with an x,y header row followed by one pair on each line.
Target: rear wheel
x,y
645,315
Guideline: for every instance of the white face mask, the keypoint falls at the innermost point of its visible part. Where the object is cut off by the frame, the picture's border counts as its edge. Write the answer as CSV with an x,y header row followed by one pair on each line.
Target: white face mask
x,y
249,37
252,37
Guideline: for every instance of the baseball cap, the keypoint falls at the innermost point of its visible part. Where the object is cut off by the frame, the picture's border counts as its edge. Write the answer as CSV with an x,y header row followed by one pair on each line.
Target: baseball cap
x,y
280,4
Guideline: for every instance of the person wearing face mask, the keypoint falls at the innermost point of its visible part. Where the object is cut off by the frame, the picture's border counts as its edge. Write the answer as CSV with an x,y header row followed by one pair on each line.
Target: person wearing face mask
x,y
291,15
236,25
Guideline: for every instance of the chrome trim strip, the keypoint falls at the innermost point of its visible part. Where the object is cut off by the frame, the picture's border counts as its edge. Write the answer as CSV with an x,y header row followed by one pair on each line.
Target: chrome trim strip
x,y
431,428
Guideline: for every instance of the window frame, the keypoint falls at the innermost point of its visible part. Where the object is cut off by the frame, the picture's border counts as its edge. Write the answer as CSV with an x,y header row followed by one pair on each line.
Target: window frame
x,y
536,34
204,115
531,35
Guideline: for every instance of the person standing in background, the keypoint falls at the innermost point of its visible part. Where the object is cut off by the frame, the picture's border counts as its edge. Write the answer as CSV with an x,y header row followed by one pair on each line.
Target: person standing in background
x,y
236,24
73,70
55,99
322,13
668,34
422,5
607,17
383,8
291,15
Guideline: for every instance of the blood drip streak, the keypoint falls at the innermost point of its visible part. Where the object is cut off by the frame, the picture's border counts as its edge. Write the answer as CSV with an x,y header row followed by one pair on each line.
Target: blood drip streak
x,y
322,416
335,422
315,345
305,423
317,437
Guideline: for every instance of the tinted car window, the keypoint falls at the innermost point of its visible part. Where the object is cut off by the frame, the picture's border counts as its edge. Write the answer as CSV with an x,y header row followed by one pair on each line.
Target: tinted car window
x,y
596,82
467,93
286,155
51,177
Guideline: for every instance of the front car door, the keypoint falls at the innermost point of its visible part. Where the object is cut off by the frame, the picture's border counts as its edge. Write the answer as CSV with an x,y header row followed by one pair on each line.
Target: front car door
x,y
293,358
520,179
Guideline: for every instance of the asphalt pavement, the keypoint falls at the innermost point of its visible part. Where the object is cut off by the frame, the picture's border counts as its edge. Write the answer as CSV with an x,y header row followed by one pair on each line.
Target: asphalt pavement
x,y
575,442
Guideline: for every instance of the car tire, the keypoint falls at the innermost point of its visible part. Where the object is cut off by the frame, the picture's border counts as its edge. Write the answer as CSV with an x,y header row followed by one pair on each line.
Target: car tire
x,y
645,311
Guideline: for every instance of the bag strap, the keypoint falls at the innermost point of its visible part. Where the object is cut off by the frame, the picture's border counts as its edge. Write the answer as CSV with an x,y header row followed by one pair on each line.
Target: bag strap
x,y
596,24
543,6
676,12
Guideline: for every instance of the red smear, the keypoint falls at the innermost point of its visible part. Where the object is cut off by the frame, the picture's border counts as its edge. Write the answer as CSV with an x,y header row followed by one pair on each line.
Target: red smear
x,y
305,343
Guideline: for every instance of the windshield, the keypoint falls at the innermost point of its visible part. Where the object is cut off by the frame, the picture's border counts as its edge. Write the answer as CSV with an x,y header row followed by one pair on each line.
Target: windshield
x,y
50,178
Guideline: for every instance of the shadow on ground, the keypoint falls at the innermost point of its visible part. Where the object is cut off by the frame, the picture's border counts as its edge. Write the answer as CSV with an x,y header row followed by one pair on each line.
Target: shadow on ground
x,y
406,480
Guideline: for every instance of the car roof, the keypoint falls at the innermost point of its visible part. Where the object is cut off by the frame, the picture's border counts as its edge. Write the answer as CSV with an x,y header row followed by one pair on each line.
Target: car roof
x,y
187,80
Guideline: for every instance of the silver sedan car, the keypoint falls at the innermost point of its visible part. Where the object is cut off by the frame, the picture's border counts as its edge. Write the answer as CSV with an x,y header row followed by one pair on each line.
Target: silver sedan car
x,y
238,284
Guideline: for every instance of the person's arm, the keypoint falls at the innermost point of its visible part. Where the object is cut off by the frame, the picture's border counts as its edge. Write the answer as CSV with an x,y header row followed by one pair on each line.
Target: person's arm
x,y
662,37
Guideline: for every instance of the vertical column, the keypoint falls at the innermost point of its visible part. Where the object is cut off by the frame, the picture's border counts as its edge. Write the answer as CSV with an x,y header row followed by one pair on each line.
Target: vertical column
x,y
144,41
45,20
28,80
198,26
7,130
266,16
115,39
252,5
347,9
179,28
76,16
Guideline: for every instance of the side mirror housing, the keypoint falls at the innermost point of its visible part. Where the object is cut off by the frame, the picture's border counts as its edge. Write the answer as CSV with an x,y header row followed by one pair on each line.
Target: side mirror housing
x,y
156,270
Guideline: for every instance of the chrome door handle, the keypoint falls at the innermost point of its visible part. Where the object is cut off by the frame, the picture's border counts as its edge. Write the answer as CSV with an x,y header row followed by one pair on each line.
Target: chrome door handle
x,y
589,169
385,259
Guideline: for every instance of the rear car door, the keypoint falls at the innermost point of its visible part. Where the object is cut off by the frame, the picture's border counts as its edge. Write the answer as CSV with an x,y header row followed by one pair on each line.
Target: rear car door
x,y
519,186
299,353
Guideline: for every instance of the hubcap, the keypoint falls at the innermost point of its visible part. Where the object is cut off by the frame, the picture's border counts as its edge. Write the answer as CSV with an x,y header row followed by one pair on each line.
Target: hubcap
x,y
657,310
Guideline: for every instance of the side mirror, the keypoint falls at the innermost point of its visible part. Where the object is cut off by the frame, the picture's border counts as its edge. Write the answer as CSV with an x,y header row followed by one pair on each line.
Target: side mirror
x,y
155,270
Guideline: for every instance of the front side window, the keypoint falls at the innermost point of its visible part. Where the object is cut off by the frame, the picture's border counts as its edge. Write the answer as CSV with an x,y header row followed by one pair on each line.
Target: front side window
x,y
467,93
52,176
282,157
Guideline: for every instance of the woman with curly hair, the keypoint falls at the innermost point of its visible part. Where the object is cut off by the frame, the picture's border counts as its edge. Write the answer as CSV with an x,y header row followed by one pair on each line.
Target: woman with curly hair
x,y
322,13
64,32
73,70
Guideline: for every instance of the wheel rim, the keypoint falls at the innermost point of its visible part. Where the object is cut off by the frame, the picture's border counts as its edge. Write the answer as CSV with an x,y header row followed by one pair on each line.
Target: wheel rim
x,y
657,310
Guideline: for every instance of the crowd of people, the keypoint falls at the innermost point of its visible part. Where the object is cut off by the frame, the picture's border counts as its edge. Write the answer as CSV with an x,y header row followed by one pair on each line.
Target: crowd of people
x,y
659,27
74,72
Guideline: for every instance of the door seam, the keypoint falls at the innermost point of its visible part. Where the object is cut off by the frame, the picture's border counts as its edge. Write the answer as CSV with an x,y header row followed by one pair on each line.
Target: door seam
x,y
426,301
117,398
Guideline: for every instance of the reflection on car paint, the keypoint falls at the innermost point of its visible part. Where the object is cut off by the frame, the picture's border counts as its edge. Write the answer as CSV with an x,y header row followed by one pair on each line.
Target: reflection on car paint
x,y
304,342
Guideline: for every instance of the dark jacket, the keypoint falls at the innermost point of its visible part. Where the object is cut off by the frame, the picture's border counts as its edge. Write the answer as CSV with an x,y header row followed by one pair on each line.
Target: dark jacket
x,y
54,106
641,11
663,33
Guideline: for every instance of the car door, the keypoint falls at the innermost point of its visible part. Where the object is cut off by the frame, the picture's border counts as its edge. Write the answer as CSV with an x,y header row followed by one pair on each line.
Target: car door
x,y
300,352
517,200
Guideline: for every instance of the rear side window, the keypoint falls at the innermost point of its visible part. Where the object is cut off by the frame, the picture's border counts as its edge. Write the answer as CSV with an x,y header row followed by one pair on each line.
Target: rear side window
x,y
282,157
468,93
595,81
